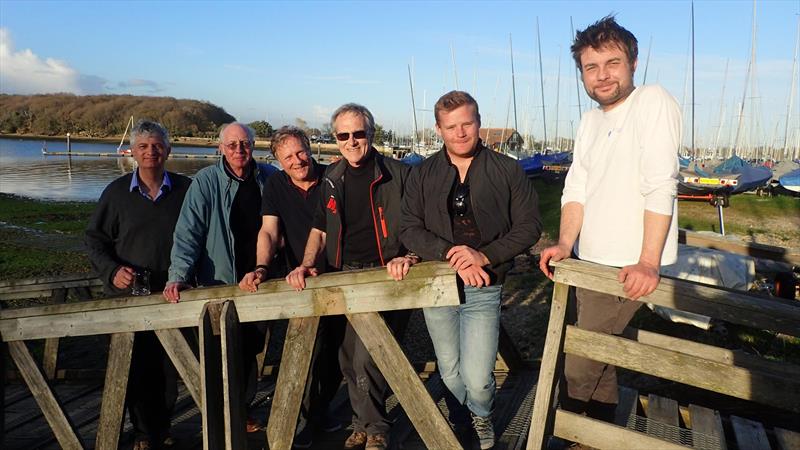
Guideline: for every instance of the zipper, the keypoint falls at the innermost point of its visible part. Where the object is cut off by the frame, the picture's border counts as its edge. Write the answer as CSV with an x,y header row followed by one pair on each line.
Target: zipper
x,y
374,219
383,223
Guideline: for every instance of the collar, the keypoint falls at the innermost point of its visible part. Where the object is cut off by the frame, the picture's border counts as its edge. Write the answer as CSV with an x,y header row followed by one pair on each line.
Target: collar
x,y
166,185
249,171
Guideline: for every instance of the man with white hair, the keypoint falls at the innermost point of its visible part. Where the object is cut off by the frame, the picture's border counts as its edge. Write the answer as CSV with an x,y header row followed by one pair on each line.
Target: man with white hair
x,y
216,234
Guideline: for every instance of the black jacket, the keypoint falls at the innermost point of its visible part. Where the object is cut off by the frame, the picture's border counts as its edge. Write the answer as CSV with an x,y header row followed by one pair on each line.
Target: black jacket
x,y
386,193
503,200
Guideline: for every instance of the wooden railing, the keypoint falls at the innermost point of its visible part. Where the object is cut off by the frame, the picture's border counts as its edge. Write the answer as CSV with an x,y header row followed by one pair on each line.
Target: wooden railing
x,y
714,369
218,311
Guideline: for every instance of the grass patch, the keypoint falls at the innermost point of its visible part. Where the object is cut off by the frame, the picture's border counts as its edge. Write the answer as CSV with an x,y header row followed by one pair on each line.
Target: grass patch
x,y
58,217
25,262
549,205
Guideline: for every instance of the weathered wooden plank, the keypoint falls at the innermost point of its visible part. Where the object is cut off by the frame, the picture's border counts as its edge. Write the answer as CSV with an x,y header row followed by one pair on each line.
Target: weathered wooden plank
x,y
3,404
788,440
749,434
676,366
112,407
708,422
721,355
361,291
663,415
393,364
59,422
50,356
30,285
627,405
548,376
232,376
81,277
732,306
184,360
297,350
211,381
603,435
753,249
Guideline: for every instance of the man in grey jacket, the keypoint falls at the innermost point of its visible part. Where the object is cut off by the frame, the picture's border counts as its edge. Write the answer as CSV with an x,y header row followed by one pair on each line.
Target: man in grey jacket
x,y
217,230
475,208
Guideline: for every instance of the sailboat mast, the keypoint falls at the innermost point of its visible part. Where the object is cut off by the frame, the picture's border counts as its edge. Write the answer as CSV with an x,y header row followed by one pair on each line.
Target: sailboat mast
x,y
746,80
413,111
541,81
650,48
791,93
721,108
558,89
455,71
513,86
694,151
578,72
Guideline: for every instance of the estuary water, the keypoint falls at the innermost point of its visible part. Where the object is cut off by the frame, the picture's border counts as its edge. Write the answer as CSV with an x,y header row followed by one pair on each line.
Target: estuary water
x,y
25,171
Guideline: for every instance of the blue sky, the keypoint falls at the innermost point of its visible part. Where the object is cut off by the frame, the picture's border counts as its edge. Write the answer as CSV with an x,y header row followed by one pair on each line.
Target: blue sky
x,y
283,60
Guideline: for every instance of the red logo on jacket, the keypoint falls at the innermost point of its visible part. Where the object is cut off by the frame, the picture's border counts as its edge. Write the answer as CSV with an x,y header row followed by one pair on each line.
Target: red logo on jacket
x,y
331,205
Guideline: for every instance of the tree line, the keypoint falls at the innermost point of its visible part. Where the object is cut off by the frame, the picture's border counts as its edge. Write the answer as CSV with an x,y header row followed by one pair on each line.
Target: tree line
x,y
106,115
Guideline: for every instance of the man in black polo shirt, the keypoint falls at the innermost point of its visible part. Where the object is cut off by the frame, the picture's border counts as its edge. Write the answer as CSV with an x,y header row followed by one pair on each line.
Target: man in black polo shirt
x,y
357,224
130,233
288,203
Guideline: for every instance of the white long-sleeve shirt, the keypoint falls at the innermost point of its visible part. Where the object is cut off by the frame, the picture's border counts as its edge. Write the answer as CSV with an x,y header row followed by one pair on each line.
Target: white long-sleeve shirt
x,y
625,162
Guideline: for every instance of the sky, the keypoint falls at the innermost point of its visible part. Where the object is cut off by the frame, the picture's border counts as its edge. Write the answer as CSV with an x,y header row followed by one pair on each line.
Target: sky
x,y
278,61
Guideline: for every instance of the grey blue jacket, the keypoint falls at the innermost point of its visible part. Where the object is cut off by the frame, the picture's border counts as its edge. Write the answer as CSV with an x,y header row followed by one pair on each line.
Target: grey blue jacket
x,y
202,249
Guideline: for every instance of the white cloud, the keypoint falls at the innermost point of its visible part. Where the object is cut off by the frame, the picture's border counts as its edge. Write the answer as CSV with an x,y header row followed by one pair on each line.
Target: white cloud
x,y
24,72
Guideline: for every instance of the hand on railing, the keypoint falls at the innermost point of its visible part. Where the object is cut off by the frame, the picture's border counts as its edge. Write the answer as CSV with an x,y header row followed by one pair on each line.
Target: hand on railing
x,y
251,280
639,279
554,253
173,289
398,267
297,277
474,276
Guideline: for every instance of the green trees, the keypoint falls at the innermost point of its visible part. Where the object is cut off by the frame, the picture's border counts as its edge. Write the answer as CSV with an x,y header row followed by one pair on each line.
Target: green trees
x,y
262,128
106,115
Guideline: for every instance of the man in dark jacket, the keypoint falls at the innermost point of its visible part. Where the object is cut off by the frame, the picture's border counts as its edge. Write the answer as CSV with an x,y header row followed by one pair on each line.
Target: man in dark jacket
x,y
129,237
357,224
476,209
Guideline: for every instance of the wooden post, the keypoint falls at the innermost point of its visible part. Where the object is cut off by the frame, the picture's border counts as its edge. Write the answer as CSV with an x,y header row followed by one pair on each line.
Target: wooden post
x,y
112,408
211,378
234,410
542,419
51,409
404,381
50,355
3,353
297,350
183,359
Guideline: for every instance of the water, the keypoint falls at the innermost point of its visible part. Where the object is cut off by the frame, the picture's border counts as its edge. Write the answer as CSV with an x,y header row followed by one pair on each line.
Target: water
x,y
26,172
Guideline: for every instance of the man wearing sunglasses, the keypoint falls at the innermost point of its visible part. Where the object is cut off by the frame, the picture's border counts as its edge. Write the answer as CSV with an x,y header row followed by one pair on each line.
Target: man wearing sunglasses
x,y
216,234
475,208
357,225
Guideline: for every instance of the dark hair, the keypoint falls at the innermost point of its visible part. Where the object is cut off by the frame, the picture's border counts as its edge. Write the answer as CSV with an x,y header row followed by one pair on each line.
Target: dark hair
x,y
286,132
603,33
453,100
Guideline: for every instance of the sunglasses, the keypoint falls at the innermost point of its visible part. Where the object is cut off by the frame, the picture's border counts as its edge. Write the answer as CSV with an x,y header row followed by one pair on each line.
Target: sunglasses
x,y
233,145
361,134
461,200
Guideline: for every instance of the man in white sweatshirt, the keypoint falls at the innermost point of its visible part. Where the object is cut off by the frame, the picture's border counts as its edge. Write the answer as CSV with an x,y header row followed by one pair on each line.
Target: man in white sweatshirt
x,y
618,206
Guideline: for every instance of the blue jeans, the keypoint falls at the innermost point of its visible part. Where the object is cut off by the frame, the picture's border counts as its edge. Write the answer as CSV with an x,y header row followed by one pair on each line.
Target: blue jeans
x,y
465,340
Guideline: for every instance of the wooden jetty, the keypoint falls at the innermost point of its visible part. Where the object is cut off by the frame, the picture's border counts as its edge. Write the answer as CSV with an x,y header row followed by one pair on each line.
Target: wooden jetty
x,y
267,157
63,407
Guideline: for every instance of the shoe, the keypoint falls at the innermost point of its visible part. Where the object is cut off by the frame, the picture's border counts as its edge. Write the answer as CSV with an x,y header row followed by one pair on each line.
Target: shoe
x,y
168,442
377,442
355,440
253,425
143,444
485,431
302,436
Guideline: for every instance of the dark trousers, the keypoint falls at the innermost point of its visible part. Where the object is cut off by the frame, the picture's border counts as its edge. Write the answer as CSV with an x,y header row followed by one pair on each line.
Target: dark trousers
x,y
589,380
365,384
152,389
252,339
324,376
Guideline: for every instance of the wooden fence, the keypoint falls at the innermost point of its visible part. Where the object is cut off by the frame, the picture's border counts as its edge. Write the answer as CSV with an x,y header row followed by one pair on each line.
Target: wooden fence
x,y
707,367
218,311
